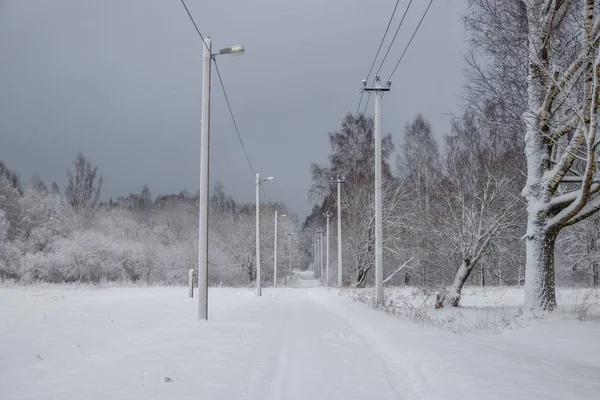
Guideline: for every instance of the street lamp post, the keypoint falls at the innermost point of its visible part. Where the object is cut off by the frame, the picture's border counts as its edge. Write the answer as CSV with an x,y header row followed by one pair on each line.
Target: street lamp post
x,y
257,184
289,236
204,165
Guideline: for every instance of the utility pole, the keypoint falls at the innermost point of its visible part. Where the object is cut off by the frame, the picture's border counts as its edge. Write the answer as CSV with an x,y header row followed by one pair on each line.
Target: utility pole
x,y
257,184
321,255
339,182
203,200
275,255
328,216
379,91
316,242
204,175
257,227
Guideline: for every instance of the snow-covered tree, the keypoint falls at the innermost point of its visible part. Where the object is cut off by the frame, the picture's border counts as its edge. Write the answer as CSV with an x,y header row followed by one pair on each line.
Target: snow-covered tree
x,y
353,158
419,169
535,63
84,184
579,248
561,141
10,197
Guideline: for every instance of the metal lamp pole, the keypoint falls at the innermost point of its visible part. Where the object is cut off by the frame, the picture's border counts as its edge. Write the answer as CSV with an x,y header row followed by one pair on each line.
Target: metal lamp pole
x,y
204,175
257,184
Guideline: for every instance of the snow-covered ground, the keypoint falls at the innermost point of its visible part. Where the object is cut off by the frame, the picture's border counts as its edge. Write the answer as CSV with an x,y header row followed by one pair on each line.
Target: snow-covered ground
x,y
301,343
489,309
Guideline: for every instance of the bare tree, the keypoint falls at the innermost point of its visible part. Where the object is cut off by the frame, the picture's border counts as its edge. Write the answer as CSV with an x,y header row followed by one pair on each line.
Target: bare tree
x,y
352,156
580,249
419,168
476,218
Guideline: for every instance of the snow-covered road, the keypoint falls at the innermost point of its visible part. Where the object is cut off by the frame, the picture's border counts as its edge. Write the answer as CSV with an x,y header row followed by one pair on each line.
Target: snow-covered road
x,y
301,343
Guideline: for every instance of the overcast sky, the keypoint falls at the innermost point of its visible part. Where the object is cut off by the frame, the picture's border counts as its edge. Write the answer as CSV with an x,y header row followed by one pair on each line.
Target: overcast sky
x,y
120,80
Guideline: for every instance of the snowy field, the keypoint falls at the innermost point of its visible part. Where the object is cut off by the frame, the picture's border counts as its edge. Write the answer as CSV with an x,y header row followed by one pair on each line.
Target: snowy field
x,y
296,343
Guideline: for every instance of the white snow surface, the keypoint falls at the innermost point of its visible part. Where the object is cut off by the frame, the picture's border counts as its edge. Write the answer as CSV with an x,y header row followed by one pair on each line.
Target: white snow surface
x,y
305,342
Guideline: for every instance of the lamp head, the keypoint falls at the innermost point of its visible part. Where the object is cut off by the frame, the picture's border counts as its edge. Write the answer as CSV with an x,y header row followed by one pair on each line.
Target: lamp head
x,y
233,50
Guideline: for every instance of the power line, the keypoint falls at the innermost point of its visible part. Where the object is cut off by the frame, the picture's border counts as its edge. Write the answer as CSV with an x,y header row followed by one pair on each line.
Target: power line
x,y
226,97
358,106
195,26
411,39
394,38
367,103
405,49
378,50
237,131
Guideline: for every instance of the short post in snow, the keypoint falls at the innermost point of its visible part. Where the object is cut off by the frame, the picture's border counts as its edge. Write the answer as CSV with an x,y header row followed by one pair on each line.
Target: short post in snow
x,y
191,283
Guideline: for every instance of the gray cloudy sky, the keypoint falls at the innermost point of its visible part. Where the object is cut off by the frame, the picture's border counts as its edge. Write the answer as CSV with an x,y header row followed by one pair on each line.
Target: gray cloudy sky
x,y
120,80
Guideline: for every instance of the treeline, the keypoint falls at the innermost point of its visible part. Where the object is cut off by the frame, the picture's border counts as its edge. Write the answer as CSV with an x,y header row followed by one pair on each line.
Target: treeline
x,y
72,236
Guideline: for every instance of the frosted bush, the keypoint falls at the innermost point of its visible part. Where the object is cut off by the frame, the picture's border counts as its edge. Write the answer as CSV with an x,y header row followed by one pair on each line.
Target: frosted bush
x,y
86,257
10,255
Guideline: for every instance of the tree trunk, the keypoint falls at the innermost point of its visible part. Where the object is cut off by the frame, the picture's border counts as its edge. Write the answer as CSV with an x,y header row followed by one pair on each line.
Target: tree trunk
x,y
361,277
539,271
459,281
595,274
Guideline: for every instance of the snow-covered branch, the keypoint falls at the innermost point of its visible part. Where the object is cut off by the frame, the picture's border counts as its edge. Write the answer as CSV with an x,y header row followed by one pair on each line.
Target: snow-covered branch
x,y
404,265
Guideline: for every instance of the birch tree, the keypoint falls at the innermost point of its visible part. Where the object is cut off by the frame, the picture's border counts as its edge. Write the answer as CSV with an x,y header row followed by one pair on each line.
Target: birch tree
x,y
545,52
561,143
